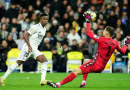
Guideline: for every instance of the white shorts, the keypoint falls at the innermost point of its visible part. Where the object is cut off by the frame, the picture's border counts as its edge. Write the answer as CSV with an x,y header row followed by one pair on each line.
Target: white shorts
x,y
24,55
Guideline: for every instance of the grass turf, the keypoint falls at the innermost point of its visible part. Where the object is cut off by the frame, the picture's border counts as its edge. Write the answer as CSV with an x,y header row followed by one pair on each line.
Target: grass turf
x,y
30,81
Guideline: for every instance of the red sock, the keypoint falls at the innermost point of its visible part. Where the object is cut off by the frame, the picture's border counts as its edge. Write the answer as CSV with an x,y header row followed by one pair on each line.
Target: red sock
x,y
69,78
85,77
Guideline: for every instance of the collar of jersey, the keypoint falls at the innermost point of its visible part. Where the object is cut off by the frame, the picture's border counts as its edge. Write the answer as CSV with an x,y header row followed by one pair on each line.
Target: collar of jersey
x,y
41,25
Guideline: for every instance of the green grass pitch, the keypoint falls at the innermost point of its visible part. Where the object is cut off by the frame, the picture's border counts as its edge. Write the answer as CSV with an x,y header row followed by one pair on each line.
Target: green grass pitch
x,y
30,81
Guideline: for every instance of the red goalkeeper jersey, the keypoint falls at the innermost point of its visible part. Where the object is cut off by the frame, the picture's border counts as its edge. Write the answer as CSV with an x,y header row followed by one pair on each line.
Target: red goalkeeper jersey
x,y
106,46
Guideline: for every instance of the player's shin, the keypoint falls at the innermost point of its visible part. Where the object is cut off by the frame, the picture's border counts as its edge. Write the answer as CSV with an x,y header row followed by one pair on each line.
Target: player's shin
x,y
84,78
10,69
83,84
69,78
43,72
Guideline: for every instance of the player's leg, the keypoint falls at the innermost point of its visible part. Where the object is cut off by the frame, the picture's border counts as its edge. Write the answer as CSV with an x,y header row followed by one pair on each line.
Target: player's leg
x,y
22,57
42,59
83,83
12,67
9,71
69,78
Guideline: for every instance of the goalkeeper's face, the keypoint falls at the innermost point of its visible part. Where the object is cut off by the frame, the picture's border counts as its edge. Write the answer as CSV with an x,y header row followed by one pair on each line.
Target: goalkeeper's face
x,y
44,20
105,33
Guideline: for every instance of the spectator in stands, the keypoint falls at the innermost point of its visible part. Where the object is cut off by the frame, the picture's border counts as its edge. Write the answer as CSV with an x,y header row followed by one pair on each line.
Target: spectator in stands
x,y
7,21
100,32
34,19
45,46
3,55
15,24
83,33
74,46
2,9
83,47
112,19
54,27
52,39
65,19
38,5
3,21
92,48
73,35
71,15
12,12
59,48
10,41
67,27
60,29
118,37
55,5
4,31
14,33
61,38
26,24
120,25
80,12
76,20
124,18
20,42
118,30
66,49
57,63
30,11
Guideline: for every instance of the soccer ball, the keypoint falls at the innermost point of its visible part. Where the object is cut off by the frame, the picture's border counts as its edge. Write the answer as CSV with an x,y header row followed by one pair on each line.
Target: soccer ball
x,y
93,16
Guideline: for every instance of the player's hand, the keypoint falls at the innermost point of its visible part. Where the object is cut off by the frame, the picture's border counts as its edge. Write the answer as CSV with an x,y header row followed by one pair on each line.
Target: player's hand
x,y
29,49
87,16
127,41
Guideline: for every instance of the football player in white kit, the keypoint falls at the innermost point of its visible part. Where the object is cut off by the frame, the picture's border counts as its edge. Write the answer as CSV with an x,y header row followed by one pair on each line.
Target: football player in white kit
x,y
33,37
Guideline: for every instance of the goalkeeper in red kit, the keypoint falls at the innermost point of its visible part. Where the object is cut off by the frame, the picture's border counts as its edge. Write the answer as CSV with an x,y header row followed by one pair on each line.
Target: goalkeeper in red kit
x,y
106,46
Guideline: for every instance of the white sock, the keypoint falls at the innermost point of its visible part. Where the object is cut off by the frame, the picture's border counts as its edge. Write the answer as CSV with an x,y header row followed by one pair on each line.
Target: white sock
x,y
58,83
43,70
10,69
83,81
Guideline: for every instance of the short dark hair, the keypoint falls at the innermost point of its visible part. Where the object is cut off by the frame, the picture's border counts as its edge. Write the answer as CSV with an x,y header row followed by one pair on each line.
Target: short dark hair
x,y
43,14
110,30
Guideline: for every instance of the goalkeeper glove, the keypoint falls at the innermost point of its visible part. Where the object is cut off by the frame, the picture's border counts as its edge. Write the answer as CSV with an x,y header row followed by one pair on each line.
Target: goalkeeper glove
x,y
127,41
87,16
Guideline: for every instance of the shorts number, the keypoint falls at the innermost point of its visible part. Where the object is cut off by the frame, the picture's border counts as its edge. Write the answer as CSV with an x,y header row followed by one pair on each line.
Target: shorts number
x,y
26,54
109,49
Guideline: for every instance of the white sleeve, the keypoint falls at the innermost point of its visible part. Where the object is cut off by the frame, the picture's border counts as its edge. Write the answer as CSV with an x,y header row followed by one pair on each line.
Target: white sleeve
x,y
32,30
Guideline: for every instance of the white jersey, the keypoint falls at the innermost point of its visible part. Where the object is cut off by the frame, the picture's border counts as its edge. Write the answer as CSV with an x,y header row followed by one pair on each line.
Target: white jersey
x,y
37,32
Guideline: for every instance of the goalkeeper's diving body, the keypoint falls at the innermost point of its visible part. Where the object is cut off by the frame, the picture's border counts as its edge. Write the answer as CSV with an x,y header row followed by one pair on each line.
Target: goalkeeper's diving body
x,y
106,46
33,38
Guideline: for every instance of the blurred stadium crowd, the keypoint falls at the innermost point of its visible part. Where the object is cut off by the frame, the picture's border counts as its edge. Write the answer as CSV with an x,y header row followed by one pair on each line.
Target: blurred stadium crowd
x,y
66,28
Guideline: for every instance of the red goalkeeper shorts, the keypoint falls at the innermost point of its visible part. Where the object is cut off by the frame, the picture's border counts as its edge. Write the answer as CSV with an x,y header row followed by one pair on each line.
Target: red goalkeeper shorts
x,y
91,66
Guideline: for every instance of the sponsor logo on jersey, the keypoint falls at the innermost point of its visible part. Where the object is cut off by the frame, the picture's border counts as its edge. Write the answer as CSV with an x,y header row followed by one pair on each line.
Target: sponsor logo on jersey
x,y
110,43
40,35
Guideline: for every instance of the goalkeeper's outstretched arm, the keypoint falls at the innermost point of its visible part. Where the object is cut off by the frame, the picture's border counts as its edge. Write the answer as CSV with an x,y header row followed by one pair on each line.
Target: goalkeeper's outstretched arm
x,y
124,48
90,34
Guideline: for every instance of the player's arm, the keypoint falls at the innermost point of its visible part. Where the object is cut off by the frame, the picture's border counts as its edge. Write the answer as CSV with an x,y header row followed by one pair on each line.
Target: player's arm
x,y
31,31
26,38
124,48
90,34
88,18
